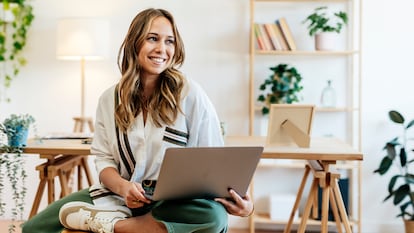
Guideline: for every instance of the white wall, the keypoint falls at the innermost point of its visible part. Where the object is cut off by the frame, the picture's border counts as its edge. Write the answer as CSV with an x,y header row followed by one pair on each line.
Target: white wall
x,y
216,39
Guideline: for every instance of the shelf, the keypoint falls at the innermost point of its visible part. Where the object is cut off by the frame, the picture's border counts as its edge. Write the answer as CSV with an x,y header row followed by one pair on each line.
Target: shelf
x,y
307,53
344,63
301,0
323,109
300,164
265,218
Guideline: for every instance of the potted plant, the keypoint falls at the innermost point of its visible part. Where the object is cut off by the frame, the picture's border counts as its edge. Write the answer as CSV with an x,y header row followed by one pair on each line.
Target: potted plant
x,y
282,86
399,155
14,27
16,127
325,27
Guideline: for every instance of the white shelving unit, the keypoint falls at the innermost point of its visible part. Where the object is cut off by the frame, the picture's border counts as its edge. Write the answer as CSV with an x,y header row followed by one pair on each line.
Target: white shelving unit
x,y
342,66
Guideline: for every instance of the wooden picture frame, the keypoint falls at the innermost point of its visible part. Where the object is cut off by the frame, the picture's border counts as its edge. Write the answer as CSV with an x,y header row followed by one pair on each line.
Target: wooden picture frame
x,y
290,124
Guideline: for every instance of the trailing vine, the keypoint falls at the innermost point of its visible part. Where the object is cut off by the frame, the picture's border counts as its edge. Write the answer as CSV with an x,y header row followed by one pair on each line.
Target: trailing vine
x,y
13,35
12,167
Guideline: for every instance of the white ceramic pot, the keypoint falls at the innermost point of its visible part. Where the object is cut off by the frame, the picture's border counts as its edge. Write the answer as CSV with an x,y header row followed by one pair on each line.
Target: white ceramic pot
x,y
326,41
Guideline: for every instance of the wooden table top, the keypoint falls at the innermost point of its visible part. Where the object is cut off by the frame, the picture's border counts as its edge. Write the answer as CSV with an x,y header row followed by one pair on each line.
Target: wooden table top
x,y
327,149
57,146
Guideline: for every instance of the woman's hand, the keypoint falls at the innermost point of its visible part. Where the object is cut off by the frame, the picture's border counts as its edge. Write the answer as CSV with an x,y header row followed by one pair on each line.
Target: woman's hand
x,y
239,206
133,194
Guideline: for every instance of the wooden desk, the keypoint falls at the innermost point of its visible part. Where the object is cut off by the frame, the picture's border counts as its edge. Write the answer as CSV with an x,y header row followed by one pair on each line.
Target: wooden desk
x,y
322,153
63,156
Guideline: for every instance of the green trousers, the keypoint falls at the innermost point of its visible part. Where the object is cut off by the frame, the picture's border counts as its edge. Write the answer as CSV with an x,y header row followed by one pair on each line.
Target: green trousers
x,y
183,216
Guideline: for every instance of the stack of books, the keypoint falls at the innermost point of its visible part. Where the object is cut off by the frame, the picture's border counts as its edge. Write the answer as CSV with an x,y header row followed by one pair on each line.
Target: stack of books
x,y
274,36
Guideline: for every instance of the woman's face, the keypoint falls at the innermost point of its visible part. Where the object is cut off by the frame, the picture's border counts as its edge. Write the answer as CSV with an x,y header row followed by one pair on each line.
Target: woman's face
x,y
158,48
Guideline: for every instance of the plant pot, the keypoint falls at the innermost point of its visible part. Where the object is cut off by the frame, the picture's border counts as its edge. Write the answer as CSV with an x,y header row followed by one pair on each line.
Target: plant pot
x,y
20,138
409,226
326,41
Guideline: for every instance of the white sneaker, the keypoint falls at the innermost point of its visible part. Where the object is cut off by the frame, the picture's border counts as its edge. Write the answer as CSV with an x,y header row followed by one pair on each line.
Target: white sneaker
x,y
87,217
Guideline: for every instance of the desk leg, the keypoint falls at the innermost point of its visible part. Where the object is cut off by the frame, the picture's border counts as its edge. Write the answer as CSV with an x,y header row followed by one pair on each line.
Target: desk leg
x,y
297,201
51,190
325,209
63,179
341,206
309,203
334,208
87,171
38,198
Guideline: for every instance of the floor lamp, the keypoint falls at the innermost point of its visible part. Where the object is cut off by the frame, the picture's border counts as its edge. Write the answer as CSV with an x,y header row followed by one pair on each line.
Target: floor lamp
x,y
82,40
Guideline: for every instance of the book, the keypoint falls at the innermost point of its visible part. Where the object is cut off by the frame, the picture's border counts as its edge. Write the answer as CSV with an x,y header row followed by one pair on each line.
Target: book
x,y
272,36
284,28
259,40
280,37
266,40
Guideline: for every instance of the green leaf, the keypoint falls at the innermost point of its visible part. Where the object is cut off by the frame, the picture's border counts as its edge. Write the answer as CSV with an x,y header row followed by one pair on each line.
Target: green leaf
x,y
396,117
392,183
390,147
403,157
401,193
384,166
410,124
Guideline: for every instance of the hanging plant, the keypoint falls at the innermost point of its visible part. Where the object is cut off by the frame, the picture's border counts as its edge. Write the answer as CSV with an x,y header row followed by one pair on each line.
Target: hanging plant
x,y
15,22
283,86
12,168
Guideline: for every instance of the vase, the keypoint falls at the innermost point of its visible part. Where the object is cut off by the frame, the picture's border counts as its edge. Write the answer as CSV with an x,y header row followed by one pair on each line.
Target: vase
x,y
409,226
328,96
19,139
326,41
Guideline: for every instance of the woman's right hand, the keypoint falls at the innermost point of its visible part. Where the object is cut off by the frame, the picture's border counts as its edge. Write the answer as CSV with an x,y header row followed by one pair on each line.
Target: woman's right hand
x,y
133,194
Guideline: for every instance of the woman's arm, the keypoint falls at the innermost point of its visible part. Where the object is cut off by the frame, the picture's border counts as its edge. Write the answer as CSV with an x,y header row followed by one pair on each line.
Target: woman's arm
x,y
132,192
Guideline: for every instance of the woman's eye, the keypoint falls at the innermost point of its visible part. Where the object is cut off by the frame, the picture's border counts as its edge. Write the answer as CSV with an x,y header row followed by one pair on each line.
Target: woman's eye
x,y
170,42
152,38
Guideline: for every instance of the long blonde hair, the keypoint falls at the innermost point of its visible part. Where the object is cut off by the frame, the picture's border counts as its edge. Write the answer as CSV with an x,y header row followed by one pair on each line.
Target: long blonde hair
x,y
164,104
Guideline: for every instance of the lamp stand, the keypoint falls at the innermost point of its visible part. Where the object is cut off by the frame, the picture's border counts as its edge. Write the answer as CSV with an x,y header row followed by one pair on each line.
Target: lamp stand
x,y
82,120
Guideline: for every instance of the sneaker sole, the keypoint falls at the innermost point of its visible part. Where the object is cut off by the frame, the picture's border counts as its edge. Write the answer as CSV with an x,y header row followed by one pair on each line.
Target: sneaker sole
x,y
74,206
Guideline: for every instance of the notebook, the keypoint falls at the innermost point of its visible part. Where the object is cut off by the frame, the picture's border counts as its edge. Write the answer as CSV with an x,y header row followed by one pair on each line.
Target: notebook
x,y
205,172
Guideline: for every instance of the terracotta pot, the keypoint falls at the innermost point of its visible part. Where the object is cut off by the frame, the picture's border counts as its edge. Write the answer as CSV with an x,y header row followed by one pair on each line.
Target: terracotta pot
x,y
409,226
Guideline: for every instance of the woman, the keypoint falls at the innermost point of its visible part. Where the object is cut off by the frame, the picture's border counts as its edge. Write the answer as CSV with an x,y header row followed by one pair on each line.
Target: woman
x,y
153,107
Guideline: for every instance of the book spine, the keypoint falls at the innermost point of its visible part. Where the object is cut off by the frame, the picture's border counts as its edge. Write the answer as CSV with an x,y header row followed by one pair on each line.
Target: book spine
x,y
266,40
272,35
280,37
284,27
258,37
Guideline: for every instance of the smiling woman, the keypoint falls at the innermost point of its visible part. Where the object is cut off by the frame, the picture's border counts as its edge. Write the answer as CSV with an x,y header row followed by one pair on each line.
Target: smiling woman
x,y
152,108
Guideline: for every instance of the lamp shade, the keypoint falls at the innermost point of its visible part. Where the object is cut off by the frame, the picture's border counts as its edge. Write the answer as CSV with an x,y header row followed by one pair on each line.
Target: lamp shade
x,y
79,39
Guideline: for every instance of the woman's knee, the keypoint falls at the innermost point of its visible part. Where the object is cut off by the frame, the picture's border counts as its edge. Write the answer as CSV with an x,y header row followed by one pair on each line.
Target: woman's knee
x,y
49,217
205,215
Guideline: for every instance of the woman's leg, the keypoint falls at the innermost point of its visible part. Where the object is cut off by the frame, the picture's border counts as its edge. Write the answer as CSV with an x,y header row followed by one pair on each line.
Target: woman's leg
x,y
48,219
144,223
198,215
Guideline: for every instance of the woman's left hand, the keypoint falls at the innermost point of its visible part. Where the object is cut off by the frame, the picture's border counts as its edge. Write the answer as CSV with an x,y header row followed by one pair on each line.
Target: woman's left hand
x,y
239,206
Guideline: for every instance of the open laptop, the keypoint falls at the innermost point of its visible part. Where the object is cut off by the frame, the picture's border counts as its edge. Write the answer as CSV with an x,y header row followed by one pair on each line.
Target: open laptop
x,y
205,172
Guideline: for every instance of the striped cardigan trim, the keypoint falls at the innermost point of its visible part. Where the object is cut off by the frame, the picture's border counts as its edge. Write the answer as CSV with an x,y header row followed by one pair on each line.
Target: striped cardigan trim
x,y
175,136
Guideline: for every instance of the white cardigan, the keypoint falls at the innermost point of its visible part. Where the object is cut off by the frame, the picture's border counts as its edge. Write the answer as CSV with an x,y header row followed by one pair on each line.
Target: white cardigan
x,y
198,125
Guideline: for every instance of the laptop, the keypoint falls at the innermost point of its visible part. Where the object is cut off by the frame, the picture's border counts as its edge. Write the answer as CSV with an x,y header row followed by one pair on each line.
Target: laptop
x,y
205,172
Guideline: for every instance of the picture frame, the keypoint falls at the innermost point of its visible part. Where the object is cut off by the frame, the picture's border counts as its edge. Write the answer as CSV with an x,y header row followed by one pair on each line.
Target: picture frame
x,y
290,125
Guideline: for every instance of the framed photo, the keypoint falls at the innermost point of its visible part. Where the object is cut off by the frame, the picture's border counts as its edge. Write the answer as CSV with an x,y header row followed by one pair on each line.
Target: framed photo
x,y
290,124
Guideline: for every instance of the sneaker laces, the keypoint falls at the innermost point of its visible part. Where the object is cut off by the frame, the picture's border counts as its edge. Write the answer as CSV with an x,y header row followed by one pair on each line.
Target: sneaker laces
x,y
100,225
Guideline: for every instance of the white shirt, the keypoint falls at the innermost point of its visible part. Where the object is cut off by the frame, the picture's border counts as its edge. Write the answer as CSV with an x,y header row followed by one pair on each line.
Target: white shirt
x,y
198,125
